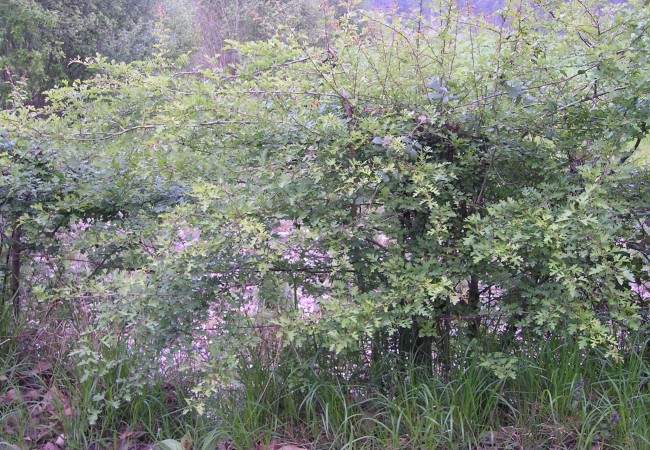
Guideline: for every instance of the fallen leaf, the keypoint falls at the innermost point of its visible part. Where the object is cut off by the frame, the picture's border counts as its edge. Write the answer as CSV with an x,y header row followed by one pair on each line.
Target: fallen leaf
x,y
9,397
51,395
126,434
31,395
50,446
13,420
45,434
277,445
8,446
40,367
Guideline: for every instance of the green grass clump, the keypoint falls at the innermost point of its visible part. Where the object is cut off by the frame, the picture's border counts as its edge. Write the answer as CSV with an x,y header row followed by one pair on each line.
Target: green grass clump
x,y
562,397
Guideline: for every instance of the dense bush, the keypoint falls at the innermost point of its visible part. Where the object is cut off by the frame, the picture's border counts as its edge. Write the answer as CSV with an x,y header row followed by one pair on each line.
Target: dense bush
x,y
431,194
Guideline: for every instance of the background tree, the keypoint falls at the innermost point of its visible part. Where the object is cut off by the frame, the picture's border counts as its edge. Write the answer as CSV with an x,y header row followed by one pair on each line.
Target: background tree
x,y
40,38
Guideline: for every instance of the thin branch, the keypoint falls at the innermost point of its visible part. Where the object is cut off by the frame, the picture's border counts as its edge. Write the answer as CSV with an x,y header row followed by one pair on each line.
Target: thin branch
x,y
592,97
118,133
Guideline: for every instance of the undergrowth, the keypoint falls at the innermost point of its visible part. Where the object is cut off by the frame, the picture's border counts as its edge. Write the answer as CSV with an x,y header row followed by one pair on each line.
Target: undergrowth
x,y
562,397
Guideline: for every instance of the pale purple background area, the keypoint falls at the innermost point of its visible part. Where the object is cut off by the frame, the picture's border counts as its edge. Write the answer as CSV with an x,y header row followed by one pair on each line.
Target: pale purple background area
x,y
480,6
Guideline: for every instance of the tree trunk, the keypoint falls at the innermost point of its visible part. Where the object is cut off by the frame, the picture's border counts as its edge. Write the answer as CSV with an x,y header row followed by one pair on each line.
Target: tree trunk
x,y
14,270
415,349
474,301
443,349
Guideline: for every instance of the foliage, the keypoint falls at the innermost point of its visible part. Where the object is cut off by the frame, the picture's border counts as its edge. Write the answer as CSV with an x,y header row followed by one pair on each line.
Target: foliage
x,y
416,191
41,37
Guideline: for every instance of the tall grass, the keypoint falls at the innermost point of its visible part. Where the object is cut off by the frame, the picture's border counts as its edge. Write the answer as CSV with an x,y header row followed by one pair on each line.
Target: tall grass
x,y
43,398
561,397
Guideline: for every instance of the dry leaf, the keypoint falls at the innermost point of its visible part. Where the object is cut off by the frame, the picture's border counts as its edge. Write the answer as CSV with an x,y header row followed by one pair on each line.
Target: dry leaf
x,y
50,446
186,443
45,434
126,434
8,446
31,395
51,395
9,397
277,445
40,367
13,420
